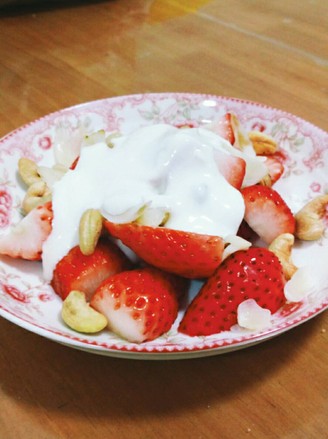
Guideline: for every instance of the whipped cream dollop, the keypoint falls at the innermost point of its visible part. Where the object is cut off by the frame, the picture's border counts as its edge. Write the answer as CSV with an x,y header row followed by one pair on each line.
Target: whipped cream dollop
x,y
159,166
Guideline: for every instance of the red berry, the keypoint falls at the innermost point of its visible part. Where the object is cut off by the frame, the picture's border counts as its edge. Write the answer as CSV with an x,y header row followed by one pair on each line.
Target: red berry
x,y
267,213
26,239
139,304
184,253
255,273
76,271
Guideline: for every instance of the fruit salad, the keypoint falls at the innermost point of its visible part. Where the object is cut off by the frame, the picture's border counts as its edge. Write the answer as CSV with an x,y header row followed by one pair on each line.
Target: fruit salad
x,y
123,223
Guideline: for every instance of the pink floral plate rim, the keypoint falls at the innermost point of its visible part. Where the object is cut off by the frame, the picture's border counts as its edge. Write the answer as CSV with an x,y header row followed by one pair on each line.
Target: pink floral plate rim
x,y
31,304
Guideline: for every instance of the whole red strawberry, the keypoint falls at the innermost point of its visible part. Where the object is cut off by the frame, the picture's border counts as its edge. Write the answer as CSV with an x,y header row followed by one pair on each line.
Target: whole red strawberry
x,y
255,273
187,254
139,304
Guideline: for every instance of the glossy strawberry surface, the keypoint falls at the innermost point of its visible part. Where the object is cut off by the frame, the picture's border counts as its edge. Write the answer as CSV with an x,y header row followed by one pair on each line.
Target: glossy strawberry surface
x,y
139,304
76,271
255,273
187,254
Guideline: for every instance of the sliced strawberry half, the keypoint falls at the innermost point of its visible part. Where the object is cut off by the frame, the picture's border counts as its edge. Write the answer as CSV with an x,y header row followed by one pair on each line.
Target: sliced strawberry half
x,y
275,168
267,213
26,238
223,127
255,273
139,304
187,254
231,167
76,271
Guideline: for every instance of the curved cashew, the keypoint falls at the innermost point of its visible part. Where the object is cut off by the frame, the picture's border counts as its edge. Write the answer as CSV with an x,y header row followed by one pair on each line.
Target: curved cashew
x,y
262,143
28,170
38,193
309,220
266,181
242,139
282,248
90,230
79,315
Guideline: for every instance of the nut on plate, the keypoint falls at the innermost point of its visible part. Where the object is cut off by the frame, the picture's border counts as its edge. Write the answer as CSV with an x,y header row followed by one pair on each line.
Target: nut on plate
x,y
38,193
309,220
78,314
28,171
262,143
282,248
89,230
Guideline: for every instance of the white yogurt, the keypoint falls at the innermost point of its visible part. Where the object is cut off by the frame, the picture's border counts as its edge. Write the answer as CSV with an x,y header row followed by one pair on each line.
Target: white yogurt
x,y
160,166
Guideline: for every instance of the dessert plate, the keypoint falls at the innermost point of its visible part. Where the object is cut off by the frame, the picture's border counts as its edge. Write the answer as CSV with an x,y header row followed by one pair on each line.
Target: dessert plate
x,y
28,301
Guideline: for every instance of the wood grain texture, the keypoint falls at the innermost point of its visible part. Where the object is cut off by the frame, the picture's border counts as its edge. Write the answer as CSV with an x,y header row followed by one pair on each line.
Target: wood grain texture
x,y
53,57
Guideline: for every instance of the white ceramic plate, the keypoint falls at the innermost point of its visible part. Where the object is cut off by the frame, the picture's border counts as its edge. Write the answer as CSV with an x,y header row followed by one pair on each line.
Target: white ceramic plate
x,y
26,300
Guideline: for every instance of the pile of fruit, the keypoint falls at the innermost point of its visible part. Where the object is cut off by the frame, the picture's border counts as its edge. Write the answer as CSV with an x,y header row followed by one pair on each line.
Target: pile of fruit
x,y
139,299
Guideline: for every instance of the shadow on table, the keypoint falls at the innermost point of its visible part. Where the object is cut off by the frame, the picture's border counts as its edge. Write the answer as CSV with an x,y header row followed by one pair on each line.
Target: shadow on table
x,y
39,372
10,8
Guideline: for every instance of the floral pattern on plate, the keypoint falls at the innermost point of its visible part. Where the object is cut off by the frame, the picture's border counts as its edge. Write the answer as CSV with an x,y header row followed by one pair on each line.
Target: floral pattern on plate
x,y
26,300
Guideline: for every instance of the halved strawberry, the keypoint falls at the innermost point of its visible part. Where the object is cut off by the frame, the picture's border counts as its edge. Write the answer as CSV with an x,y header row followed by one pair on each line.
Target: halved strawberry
x,y
187,254
223,127
231,167
267,213
76,271
139,304
275,168
255,273
26,238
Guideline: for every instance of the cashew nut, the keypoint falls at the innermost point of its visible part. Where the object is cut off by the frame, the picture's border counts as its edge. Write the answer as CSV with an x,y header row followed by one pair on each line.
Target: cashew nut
x,y
38,193
266,180
90,230
79,315
262,143
309,220
242,140
28,170
282,248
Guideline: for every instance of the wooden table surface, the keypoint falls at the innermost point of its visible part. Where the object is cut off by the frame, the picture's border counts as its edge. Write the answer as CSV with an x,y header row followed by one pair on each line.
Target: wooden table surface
x,y
60,55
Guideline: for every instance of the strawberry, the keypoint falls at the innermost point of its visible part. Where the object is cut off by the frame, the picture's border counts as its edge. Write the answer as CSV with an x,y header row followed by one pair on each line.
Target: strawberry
x,y
187,254
267,213
180,284
26,238
276,169
231,167
74,164
139,304
76,271
223,127
255,273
